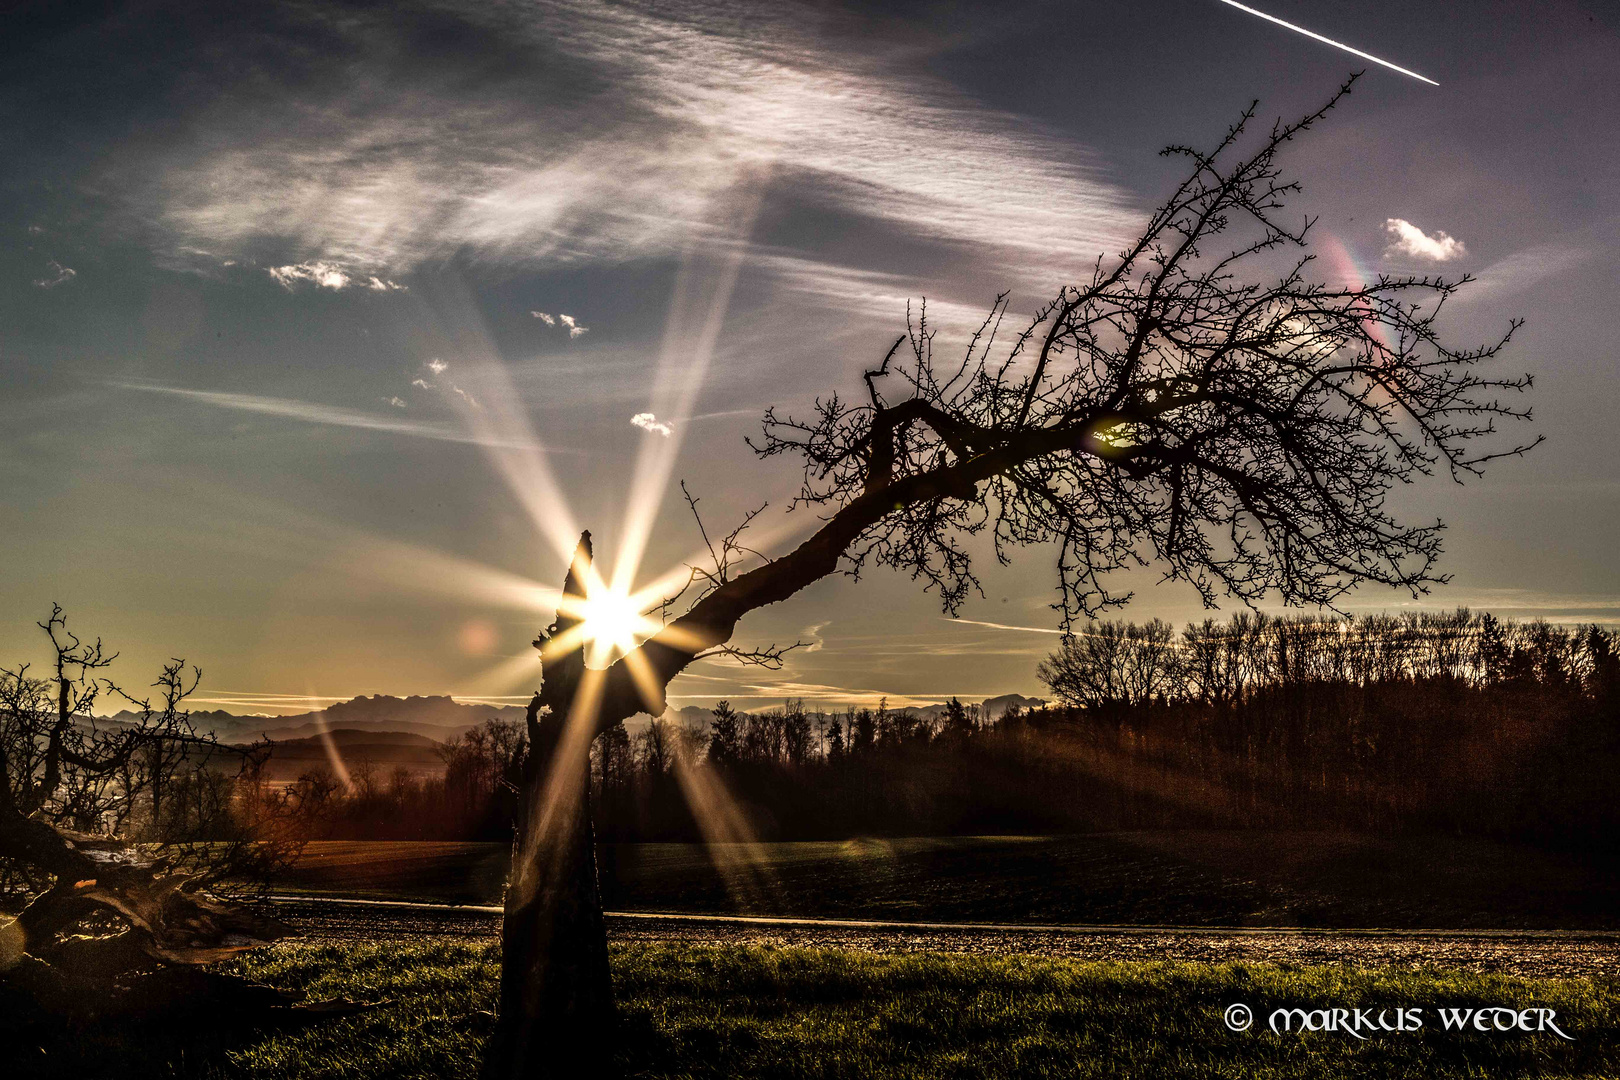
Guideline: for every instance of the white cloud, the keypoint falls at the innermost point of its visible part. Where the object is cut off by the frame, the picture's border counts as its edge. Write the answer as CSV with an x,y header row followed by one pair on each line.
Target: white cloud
x,y
397,402
423,383
324,274
437,366
334,274
59,275
1407,239
543,317
646,421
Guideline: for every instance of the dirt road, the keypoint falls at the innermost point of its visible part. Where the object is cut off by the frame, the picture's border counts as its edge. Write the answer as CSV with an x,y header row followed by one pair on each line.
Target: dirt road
x,y
1546,954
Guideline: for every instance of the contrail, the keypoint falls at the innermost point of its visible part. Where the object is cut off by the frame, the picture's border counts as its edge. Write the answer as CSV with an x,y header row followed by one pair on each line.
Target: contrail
x,y
1329,41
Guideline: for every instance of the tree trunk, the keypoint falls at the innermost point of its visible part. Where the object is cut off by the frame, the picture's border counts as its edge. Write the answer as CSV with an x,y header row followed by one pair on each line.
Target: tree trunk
x,y
556,1001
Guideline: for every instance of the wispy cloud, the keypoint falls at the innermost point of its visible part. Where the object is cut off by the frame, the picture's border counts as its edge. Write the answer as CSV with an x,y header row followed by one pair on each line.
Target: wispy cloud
x,y
646,421
1517,603
856,290
58,275
313,413
824,694
1006,626
1521,270
391,166
1409,240
549,320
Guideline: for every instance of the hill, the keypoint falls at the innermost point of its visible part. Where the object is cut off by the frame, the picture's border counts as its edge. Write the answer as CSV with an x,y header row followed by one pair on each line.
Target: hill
x,y
435,717
381,751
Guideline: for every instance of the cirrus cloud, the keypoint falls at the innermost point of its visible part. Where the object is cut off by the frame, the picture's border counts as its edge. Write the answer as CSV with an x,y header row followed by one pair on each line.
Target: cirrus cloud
x,y
608,136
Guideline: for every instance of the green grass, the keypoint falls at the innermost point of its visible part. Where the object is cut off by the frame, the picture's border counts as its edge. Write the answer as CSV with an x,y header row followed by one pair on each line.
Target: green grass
x,y
705,1011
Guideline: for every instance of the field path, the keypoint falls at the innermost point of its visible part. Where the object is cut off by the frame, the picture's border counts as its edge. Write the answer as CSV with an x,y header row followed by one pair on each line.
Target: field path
x,y
1534,953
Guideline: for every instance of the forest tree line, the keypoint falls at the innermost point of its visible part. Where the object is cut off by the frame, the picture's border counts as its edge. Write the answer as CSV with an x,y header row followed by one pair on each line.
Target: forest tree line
x,y
1459,722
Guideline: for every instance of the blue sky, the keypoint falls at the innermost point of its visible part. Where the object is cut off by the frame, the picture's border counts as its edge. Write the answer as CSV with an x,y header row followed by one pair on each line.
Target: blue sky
x,y
323,325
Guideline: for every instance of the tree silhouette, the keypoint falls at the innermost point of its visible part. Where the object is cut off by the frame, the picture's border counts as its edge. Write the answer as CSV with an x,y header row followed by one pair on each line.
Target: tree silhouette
x,y
1188,407
113,930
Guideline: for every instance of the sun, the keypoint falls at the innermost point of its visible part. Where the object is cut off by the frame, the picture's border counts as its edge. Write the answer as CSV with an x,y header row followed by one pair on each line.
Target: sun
x,y
611,622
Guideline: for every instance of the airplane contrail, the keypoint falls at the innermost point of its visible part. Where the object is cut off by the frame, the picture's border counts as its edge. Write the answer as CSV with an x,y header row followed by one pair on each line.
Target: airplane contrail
x,y
1329,41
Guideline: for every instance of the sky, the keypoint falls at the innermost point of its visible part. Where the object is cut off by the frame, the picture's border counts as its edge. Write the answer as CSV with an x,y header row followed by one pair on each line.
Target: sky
x,y
324,328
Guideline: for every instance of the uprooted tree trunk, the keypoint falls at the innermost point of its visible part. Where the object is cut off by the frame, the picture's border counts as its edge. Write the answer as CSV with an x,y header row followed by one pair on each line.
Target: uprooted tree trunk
x,y
117,935
120,932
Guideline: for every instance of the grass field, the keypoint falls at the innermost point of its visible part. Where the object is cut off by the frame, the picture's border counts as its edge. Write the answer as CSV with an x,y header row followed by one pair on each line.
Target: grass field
x,y
703,1011
1187,878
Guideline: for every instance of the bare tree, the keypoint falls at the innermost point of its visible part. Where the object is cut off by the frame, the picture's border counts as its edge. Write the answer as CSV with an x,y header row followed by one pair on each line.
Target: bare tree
x,y
71,788
1207,409
1112,663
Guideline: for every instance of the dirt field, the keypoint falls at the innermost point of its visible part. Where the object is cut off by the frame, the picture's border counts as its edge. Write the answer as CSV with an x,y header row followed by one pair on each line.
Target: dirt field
x,y
1231,879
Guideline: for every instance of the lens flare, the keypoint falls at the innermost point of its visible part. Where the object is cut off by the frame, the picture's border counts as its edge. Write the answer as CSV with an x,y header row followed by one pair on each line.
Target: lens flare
x,y
611,622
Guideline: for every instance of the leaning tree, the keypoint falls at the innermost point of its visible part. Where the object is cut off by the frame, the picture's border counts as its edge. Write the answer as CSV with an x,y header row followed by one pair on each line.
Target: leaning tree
x,y
1201,404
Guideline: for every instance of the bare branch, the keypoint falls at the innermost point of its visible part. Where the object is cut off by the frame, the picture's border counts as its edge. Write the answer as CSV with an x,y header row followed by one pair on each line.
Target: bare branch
x,y
1182,410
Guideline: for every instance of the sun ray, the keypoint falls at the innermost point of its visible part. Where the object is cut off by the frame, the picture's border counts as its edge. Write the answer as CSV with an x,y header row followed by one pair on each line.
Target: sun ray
x,y
730,841
507,674
334,756
697,310
426,570
646,681
561,792
479,388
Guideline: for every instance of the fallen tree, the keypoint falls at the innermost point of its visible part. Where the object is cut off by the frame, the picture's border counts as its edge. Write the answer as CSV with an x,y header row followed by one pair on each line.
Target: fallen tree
x,y
112,928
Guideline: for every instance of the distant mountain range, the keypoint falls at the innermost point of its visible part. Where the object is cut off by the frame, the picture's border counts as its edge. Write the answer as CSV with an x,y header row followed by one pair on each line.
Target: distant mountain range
x,y
435,718
421,721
